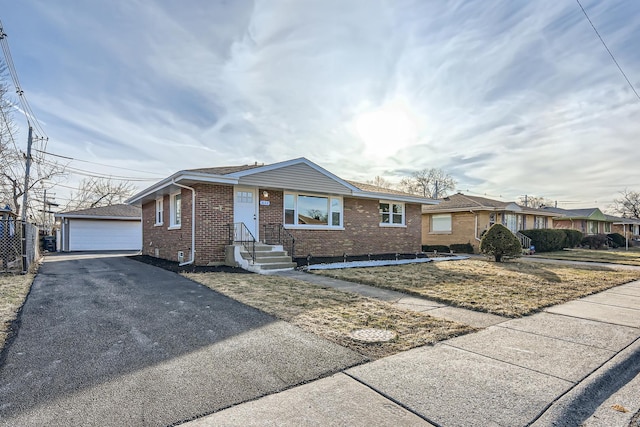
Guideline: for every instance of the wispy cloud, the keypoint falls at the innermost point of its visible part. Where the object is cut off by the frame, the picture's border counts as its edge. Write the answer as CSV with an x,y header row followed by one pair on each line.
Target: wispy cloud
x,y
510,97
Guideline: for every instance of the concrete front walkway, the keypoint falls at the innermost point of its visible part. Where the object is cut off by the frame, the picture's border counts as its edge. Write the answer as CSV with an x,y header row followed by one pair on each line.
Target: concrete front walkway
x,y
401,300
554,368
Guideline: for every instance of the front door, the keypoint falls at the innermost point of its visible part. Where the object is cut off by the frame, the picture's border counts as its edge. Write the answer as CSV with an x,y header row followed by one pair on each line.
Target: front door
x,y
245,208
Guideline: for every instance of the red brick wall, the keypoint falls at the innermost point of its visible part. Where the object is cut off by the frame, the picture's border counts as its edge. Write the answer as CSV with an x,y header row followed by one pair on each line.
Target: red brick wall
x,y
168,242
362,232
214,210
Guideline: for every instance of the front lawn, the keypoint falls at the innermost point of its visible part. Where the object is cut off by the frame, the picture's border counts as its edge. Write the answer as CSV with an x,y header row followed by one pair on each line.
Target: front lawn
x,y
330,313
512,289
616,256
13,291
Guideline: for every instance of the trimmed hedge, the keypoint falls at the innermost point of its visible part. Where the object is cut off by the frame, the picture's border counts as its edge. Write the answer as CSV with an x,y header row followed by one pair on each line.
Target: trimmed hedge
x,y
439,248
500,243
572,238
546,239
461,248
617,239
595,241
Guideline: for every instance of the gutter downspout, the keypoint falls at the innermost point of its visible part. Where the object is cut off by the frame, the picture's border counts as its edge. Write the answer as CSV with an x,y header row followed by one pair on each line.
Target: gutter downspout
x,y
193,223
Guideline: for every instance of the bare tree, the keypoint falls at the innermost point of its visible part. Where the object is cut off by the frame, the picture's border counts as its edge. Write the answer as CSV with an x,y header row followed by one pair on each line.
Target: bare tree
x,y
98,192
535,201
12,170
432,183
379,181
628,205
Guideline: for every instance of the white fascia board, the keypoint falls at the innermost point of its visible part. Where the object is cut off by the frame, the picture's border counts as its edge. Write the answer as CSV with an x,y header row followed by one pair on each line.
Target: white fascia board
x,y
119,218
177,177
395,198
292,162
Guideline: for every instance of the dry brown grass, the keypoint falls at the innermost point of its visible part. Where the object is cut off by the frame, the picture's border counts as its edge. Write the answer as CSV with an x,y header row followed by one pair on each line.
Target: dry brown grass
x,y
617,256
13,291
332,314
511,289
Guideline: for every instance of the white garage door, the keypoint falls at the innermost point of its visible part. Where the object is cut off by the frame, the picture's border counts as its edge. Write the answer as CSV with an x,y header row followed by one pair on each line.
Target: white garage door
x,y
104,235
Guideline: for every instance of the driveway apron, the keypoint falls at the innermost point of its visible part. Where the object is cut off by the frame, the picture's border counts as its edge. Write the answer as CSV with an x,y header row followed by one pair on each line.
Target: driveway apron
x,y
110,341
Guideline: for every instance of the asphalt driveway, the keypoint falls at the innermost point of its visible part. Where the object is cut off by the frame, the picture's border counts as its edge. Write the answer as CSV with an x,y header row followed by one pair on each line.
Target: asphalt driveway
x,y
105,340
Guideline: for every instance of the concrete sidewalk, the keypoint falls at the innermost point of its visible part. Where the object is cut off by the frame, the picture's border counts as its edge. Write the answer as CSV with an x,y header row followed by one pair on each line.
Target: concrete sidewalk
x,y
563,366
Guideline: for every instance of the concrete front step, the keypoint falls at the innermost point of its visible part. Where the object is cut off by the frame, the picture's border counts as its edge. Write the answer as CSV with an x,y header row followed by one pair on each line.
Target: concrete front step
x,y
276,266
268,258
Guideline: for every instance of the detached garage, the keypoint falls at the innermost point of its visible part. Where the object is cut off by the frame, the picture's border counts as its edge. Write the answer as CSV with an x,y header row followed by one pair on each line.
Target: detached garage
x,y
108,228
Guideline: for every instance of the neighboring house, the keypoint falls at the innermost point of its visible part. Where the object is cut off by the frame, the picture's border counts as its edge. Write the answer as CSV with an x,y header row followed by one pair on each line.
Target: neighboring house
x,y
587,221
108,228
461,218
194,215
628,227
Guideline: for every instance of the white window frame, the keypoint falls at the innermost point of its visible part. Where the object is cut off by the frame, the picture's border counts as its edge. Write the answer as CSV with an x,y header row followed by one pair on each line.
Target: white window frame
x,y
607,228
330,212
392,214
442,230
175,221
159,211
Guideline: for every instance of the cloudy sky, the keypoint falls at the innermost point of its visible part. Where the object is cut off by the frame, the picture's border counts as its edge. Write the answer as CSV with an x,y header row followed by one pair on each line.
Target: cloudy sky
x,y
510,97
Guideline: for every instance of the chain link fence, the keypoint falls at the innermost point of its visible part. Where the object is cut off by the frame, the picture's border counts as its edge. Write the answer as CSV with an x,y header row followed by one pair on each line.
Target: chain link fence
x,y
16,255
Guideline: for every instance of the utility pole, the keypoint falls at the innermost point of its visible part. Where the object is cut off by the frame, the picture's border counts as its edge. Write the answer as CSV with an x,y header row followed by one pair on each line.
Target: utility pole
x,y
526,200
435,193
25,262
44,212
26,175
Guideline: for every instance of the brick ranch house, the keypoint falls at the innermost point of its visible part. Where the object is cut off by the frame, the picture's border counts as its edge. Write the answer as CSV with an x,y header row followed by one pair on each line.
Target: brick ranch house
x,y
461,218
193,215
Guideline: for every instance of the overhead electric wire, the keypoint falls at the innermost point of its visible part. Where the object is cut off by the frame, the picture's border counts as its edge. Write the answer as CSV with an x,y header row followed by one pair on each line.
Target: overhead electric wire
x,y
610,53
92,174
95,163
26,107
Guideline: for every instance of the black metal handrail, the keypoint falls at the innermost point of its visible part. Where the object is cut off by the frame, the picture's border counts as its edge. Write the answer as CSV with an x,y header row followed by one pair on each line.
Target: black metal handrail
x,y
276,234
239,233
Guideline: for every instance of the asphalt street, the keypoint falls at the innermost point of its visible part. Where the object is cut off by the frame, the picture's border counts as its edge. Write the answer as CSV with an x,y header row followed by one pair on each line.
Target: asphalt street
x,y
111,341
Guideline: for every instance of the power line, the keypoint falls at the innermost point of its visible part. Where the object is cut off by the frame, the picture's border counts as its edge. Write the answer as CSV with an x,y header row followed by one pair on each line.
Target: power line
x,y
94,163
24,103
611,54
92,174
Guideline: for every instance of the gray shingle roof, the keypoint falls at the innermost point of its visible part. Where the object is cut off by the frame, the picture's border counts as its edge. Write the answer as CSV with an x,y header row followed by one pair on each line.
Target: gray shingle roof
x,y
225,170
121,210
369,188
460,201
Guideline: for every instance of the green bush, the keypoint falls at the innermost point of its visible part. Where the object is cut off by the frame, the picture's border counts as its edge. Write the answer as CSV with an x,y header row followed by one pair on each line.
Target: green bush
x,y
617,239
439,248
572,238
500,243
461,248
546,239
595,241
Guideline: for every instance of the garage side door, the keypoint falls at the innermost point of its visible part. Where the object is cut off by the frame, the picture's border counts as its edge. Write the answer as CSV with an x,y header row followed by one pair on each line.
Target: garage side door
x,y
104,235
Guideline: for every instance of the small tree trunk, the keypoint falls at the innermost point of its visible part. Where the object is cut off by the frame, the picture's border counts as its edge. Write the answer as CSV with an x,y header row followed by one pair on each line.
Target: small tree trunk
x,y
498,257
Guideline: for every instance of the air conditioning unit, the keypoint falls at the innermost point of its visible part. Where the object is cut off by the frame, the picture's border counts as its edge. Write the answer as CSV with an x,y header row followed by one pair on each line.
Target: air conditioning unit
x,y
180,256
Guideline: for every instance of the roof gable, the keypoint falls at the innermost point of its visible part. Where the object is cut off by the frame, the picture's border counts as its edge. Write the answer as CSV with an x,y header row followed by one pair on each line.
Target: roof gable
x,y
293,175
298,174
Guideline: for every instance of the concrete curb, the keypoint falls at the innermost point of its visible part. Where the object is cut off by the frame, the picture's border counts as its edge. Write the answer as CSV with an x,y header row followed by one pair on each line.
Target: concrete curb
x,y
577,405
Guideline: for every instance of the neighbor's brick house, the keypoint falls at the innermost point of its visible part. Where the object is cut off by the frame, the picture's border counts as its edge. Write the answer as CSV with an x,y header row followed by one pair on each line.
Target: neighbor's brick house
x,y
461,218
192,212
